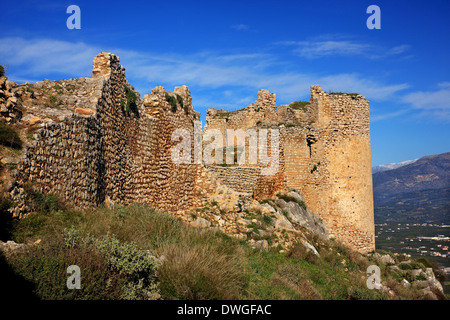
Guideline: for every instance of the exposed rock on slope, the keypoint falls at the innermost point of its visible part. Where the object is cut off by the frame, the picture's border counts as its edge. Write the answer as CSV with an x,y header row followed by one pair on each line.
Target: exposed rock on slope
x,y
281,220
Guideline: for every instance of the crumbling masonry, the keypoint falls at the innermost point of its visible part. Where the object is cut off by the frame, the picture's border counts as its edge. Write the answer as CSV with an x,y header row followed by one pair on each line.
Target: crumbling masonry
x,y
100,143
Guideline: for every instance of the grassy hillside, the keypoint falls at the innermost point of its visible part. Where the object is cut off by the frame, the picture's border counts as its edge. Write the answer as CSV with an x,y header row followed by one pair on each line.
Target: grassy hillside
x,y
137,252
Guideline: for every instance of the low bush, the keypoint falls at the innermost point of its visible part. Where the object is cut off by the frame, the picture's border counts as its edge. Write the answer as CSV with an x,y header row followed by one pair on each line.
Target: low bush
x,y
299,105
299,251
131,105
9,137
46,265
172,101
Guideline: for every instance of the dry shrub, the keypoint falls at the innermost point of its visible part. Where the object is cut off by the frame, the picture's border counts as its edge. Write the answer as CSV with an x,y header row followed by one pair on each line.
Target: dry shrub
x,y
45,265
200,272
299,251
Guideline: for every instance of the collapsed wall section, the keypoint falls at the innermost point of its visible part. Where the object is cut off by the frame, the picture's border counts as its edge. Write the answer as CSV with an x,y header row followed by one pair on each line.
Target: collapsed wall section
x,y
245,124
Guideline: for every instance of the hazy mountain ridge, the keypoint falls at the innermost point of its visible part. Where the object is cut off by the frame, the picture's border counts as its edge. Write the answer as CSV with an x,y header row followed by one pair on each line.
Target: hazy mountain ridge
x,y
419,191
391,166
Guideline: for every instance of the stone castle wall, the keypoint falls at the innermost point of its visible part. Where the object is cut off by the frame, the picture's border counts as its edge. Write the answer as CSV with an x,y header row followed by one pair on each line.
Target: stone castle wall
x,y
328,161
324,154
114,154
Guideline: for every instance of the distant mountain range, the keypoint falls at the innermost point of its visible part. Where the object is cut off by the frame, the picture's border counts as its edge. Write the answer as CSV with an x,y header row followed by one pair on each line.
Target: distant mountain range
x,y
418,191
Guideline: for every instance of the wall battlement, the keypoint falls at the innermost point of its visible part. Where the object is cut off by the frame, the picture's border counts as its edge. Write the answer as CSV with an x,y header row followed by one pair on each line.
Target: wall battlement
x,y
101,143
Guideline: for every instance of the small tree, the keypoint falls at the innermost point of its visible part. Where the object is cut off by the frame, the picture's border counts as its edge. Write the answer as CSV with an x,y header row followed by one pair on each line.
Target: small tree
x,y
2,70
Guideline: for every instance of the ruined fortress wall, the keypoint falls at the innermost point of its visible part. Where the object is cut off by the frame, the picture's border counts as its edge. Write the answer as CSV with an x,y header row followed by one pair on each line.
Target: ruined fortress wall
x,y
241,179
83,158
263,110
324,154
172,188
350,170
64,161
114,155
334,166
137,150
248,178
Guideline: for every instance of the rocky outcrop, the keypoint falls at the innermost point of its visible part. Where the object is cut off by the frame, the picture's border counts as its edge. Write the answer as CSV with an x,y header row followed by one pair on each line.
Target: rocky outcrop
x,y
415,275
10,100
10,245
292,205
279,221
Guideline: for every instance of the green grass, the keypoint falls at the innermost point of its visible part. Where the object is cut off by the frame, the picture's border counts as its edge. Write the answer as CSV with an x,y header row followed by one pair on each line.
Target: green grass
x,y
130,106
110,246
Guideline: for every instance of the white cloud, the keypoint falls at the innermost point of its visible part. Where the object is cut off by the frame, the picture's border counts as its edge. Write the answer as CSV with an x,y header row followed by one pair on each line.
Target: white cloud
x,y
329,48
240,27
431,100
30,59
41,56
431,104
378,117
338,45
445,84
398,49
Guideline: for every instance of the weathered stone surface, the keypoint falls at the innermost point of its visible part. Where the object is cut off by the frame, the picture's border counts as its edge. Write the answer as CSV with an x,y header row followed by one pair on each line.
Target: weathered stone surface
x,y
84,111
387,259
201,223
311,248
405,284
10,160
303,217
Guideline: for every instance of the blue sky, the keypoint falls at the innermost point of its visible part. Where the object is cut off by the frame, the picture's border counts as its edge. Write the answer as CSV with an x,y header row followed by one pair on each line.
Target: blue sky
x,y
225,51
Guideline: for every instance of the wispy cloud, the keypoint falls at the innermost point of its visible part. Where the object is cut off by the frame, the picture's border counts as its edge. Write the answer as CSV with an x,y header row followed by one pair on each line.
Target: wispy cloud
x,y
206,71
41,56
240,27
435,104
338,45
389,115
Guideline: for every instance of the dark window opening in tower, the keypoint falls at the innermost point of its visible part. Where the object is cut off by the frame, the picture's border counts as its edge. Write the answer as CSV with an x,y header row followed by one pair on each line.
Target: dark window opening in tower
x,y
310,140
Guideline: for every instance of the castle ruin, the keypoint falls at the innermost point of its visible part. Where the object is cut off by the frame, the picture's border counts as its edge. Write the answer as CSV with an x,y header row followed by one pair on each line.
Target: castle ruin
x,y
100,143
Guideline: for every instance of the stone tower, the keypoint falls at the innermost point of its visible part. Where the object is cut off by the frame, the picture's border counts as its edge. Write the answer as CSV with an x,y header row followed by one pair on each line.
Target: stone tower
x,y
330,163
